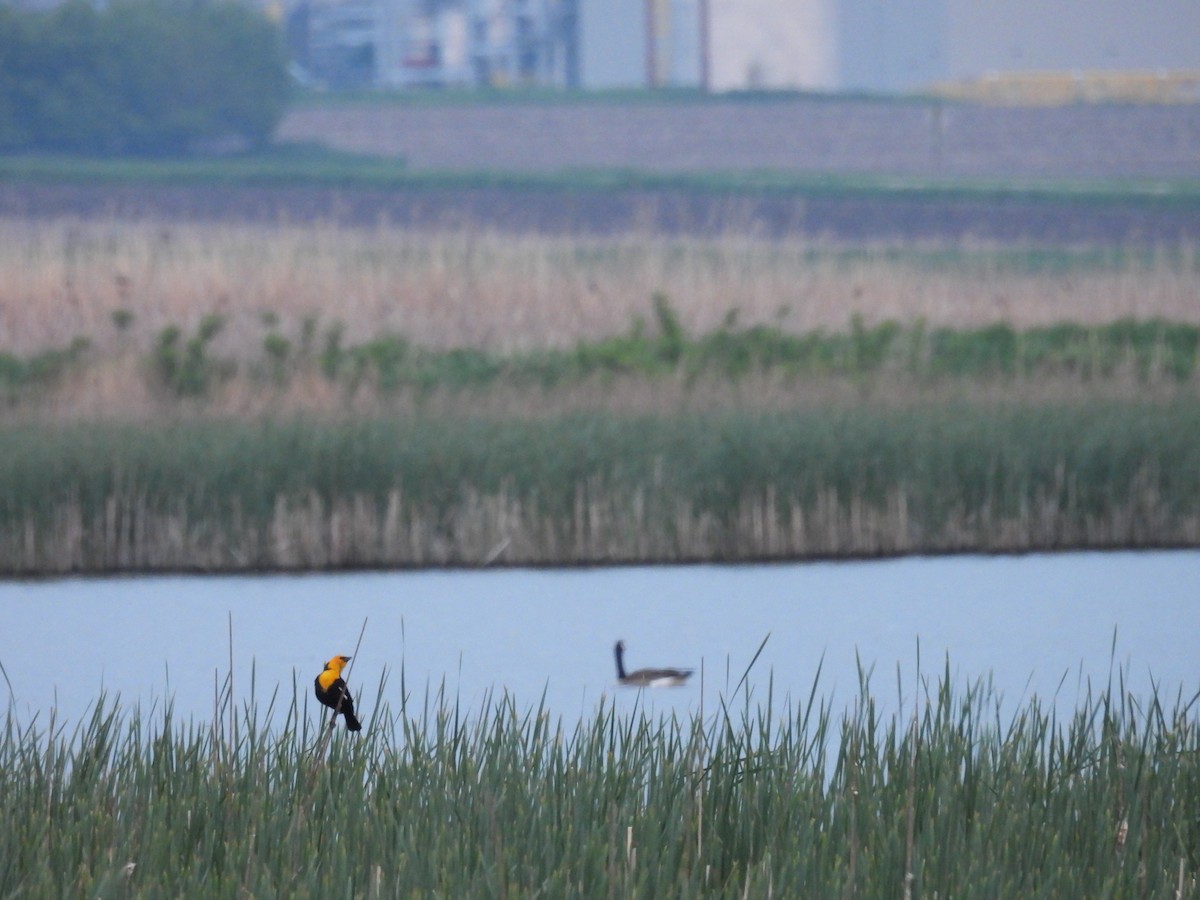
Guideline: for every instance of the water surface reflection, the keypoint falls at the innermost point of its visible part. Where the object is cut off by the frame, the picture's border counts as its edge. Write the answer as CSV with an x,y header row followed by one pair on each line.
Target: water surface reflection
x,y
1035,624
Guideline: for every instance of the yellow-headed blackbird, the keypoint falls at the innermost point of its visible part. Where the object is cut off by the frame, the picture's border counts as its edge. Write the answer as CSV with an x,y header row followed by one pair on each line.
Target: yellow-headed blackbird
x,y
332,691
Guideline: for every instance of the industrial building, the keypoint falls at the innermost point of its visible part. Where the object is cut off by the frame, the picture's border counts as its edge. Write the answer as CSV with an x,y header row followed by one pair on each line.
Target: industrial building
x,y
435,43
877,46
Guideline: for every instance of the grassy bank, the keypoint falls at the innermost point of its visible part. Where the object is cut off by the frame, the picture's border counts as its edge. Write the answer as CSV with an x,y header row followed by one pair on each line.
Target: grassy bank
x,y
317,166
952,800
472,398
599,488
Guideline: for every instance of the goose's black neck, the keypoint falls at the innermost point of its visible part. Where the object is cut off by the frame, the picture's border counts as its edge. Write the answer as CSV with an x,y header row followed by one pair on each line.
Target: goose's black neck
x,y
619,653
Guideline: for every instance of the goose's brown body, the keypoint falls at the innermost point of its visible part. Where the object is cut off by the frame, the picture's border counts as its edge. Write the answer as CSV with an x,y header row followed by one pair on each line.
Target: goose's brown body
x,y
648,677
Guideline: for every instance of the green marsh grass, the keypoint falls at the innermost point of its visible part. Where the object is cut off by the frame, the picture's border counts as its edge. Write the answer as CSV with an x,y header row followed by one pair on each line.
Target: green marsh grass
x,y
586,489
1152,352
957,795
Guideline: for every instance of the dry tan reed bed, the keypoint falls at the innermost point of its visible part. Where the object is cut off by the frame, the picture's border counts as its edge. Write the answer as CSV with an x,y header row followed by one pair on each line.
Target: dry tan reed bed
x,y
63,280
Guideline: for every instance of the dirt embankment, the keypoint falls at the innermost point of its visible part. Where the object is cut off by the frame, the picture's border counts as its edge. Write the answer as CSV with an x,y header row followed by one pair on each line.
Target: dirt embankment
x,y
802,135
808,135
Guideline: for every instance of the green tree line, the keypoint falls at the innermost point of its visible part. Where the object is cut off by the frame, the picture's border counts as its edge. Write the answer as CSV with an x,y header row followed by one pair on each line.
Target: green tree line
x,y
140,77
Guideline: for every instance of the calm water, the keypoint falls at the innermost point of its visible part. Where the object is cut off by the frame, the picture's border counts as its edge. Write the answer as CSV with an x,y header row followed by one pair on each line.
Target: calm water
x,y
1036,625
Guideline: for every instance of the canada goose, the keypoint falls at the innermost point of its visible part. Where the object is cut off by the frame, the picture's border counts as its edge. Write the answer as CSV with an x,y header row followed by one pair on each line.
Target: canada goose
x,y
648,677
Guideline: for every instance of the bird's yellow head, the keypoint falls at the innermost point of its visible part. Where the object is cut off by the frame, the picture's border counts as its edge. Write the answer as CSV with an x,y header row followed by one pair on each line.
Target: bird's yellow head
x,y
337,664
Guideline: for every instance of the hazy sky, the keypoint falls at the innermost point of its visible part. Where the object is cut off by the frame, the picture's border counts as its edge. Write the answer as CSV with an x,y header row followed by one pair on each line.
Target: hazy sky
x,y
1071,34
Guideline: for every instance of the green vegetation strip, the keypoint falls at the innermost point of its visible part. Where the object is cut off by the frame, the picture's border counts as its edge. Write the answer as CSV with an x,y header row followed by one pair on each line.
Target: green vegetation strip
x,y
952,800
301,164
596,488
1152,352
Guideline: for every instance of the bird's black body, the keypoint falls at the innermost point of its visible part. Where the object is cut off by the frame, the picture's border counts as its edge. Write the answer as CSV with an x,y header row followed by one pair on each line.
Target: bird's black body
x,y
331,691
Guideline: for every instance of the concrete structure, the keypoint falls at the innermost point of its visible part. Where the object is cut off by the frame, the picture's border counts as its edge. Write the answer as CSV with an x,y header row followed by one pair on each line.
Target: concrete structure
x,y
774,44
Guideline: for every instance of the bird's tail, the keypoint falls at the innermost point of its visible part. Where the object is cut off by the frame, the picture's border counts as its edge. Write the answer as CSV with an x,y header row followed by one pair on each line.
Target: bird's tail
x,y
352,723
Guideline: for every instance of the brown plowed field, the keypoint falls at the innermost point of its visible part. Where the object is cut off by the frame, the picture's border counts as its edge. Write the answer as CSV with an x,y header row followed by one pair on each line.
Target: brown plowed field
x,y
809,135
813,135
